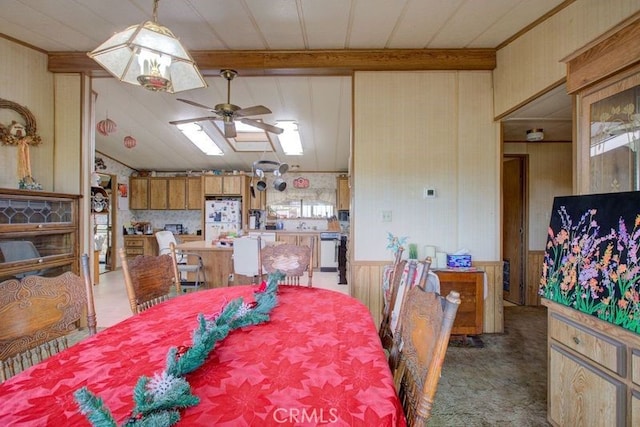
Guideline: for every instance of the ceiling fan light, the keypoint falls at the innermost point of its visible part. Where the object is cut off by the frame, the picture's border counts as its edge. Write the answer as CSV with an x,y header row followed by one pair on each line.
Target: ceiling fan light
x,y
149,55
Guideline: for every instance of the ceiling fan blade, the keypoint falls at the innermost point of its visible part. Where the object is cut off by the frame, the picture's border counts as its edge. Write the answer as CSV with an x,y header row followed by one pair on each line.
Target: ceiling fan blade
x,y
195,119
195,104
230,130
262,125
256,110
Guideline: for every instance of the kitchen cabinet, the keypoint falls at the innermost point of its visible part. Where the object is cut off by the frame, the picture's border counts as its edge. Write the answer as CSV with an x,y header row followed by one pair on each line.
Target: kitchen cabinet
x,y
138,192
165,193
140,244
302,239
158,193
194,193
48,223
260,201
176,193
223,185
594,370
470,285
343,195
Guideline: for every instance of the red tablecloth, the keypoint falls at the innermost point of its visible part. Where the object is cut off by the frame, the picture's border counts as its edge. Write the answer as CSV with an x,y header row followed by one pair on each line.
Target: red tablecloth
x,y
317,361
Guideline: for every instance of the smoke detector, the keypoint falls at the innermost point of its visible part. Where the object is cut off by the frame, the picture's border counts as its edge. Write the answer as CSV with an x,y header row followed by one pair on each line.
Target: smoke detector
x,y
535,135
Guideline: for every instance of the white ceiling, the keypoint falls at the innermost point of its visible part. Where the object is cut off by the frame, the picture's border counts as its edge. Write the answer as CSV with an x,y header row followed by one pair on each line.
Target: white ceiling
x,y
320,104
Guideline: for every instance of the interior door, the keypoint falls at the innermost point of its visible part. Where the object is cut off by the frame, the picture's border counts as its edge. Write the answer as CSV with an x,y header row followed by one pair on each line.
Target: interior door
x,y
514,226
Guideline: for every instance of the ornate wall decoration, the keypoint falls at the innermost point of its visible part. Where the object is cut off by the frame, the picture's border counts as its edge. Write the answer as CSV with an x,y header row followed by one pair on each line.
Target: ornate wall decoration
x,y
21,135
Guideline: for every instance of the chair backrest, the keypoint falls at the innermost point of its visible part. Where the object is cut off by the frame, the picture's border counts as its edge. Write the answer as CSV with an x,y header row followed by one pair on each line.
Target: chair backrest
x,y
392,278
402,281
38,313
164,239
246,256
292,260
427,320
149,280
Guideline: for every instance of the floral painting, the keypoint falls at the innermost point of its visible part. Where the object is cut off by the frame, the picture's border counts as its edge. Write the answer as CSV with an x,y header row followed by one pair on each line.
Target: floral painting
x,y
591,258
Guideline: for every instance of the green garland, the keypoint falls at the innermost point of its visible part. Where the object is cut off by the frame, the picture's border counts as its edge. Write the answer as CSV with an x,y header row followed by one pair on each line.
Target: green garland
x,y
158,400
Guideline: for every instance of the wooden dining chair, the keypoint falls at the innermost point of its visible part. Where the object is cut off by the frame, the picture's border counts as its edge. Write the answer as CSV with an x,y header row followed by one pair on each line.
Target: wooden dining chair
x,y
407,277
395,278
417,277
149,279
426,325
292,260
42,315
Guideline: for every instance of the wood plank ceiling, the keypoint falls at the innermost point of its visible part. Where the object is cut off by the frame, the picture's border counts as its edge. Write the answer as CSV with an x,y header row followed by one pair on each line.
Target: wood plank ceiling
x,y
293,56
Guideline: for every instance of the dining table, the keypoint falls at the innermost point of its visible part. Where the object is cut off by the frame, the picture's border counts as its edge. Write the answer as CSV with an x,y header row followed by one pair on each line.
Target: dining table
x,y
317,360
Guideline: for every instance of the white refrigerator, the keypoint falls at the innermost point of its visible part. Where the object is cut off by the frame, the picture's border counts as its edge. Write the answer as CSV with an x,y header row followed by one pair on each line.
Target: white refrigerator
x,y
221,216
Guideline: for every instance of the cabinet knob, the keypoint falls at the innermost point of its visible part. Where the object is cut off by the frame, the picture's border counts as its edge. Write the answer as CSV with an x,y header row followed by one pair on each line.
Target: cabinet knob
x,y
576,340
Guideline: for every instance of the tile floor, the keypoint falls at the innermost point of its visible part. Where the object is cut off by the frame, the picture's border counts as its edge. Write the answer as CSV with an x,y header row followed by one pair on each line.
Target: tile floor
x,y
112,305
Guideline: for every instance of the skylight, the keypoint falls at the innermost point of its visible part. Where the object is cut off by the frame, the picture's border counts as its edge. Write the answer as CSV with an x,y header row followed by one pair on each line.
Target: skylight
x,y
200,139
290,138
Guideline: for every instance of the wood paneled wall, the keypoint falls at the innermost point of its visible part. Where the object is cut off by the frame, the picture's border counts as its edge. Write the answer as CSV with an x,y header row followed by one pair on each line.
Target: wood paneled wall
x,y
26,81
534,272
366,285
532,63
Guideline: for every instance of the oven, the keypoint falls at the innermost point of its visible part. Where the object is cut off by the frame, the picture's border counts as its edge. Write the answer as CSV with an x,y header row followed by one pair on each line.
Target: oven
x,y
329,244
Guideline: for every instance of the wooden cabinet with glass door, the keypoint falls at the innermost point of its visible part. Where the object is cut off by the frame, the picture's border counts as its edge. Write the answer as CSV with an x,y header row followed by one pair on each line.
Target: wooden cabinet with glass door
x,y
39,233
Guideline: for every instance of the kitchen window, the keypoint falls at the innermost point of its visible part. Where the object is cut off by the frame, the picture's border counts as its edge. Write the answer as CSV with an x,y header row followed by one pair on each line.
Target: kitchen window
x,y
301,203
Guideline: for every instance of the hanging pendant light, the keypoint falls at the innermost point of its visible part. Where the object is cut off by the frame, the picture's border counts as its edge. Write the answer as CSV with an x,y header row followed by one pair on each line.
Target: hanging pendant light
x,y
149,55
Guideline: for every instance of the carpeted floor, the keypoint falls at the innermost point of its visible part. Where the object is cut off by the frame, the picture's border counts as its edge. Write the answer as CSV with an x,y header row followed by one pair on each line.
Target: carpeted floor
x,y
503,382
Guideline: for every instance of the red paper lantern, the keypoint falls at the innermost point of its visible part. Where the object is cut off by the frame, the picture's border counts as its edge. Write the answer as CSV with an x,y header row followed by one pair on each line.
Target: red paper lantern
x,y
107,126
130,141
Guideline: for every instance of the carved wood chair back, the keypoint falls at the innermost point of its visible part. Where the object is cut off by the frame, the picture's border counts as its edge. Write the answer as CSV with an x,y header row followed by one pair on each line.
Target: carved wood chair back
x,y
39,314
149,279
426,327
292,260
399,274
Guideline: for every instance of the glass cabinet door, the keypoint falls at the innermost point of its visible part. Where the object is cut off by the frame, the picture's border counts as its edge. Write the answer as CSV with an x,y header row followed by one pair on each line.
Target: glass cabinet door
x,y
38,235
612,115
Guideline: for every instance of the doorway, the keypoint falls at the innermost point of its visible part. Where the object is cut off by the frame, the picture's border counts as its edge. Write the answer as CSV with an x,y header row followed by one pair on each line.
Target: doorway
x,y
514,227
103,218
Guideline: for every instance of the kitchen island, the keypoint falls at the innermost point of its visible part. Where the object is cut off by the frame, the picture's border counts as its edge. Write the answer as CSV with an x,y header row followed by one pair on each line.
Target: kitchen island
x,y
218,262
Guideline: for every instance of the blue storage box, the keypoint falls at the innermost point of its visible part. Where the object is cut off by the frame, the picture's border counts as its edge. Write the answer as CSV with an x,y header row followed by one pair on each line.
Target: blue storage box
x,y
458,261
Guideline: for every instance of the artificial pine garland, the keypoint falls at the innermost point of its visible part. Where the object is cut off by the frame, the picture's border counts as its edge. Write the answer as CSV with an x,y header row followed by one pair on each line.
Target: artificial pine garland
x,y
158,400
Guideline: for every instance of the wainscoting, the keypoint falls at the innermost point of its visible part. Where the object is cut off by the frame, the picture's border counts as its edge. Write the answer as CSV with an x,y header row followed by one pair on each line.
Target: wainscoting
x,y
366,279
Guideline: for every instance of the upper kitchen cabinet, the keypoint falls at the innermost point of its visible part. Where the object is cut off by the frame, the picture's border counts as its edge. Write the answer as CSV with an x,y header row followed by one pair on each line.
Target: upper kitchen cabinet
x,y
194,192
138,192
158,194
166,193
343,193
224,185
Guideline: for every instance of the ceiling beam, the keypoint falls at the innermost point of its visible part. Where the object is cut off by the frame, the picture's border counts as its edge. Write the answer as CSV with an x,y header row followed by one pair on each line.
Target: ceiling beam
x,y
306,62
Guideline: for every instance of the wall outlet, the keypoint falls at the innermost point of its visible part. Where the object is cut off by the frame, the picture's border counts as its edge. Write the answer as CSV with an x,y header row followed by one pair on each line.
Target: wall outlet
x,y
386,216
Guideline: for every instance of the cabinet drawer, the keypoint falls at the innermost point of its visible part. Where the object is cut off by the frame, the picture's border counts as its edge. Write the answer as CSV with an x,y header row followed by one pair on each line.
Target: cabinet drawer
x,y
635,408
131,252
581,392
133,243
602,349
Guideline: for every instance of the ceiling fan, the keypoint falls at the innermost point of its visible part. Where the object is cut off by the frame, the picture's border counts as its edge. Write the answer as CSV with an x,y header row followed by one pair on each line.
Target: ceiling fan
x,y
229,112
